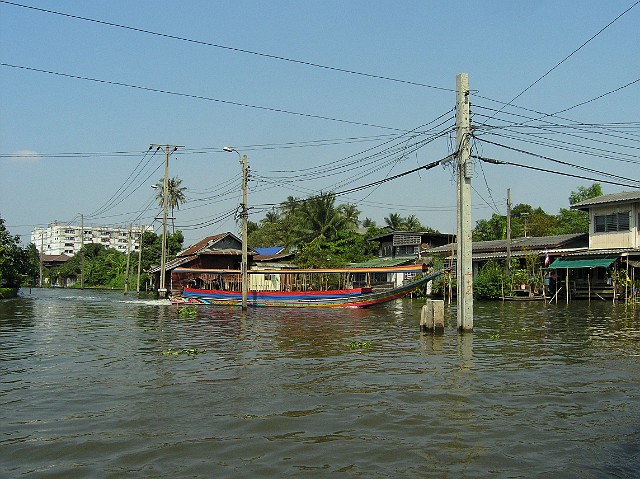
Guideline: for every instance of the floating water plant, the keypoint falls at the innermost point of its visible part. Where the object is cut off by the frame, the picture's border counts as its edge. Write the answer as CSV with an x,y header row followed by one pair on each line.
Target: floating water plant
x,y
188,352
187,312
359,344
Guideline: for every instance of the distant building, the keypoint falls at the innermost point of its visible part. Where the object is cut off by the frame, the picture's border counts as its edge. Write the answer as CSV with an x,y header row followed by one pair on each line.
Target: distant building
x,y
58,239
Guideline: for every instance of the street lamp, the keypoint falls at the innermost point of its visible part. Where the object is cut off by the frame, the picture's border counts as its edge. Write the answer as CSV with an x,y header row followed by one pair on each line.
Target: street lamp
x,y
244,214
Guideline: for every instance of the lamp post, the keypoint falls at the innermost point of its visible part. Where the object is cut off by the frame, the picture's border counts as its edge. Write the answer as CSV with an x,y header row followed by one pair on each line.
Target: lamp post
x,y
244,214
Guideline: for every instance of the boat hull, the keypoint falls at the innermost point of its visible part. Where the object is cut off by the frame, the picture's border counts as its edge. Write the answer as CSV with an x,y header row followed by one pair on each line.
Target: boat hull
x,y
350,298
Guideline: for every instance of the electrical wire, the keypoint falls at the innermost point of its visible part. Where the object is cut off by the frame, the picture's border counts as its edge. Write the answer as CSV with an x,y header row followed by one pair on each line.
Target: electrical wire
x,y
545,170
199,97
569,55
233,49
560,162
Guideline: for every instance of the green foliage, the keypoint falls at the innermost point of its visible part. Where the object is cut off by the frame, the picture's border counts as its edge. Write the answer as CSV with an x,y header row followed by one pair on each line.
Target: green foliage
x,y
491,229
536,221
585,193
106,267
15,262
572,221
175,195
489,282
187,312
187,352
359,344
396,222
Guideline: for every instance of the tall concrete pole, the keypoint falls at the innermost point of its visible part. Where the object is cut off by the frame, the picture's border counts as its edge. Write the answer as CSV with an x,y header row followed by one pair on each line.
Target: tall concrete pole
x,y
41,255
82,251
126,276
168,149
464,173
245,213
139,260
509,232
162,290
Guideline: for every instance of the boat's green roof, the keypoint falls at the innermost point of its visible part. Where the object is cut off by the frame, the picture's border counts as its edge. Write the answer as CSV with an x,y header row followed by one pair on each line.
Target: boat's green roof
x,y
381,262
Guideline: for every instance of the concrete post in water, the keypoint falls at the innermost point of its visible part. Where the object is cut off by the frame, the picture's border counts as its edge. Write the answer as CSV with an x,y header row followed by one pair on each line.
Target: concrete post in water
x,y
432,316
463,236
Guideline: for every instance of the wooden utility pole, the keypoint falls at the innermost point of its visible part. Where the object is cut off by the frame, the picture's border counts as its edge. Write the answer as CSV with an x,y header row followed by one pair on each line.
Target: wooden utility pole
x,y
464,268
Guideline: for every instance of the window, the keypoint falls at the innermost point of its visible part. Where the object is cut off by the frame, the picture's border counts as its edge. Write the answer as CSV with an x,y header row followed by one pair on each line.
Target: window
x,y
612,222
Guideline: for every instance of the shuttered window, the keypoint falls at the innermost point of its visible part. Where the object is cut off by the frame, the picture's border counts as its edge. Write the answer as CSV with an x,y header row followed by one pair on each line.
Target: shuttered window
x,y
612,222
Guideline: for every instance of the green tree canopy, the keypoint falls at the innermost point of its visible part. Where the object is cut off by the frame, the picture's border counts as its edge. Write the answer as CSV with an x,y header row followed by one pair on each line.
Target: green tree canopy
x,y
14,260
175,195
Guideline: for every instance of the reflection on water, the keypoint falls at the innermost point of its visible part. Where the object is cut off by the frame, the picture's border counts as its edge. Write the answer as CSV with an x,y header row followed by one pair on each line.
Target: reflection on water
x,y
89,388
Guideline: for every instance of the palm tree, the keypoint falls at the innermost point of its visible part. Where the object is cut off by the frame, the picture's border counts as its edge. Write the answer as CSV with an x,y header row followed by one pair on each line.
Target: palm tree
x,y
412,223
350,212
321,217
394,221
175,196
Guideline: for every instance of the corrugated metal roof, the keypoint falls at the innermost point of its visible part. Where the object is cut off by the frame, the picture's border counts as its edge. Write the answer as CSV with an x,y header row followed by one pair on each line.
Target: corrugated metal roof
x,y
624,197
173,263
269,251
524,243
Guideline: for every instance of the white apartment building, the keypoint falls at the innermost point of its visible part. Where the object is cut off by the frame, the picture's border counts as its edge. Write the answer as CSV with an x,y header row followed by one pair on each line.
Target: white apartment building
x,y
57,239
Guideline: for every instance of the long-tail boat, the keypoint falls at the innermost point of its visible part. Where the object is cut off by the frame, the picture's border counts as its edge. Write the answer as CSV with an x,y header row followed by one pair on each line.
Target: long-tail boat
x,y
334,298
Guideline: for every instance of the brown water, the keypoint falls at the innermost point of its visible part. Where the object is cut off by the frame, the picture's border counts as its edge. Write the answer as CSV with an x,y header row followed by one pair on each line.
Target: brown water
x,y
88,388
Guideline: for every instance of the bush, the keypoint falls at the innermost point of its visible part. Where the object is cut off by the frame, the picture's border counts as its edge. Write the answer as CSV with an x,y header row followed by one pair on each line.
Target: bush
x,y
488,283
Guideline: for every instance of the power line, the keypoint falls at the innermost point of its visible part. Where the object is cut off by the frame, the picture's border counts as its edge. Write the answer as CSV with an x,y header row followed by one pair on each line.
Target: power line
x,y
197,97
501,162
569,56
591,170
233,49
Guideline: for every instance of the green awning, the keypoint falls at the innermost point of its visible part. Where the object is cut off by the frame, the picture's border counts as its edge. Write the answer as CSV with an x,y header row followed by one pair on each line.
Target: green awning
x,y
572,263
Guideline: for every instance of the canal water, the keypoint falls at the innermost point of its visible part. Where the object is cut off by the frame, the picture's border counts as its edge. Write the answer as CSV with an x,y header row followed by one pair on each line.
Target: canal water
x,y
102,385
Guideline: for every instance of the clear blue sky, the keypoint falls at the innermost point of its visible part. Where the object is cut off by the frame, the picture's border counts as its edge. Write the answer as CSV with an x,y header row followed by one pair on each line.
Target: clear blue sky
x,y
197,95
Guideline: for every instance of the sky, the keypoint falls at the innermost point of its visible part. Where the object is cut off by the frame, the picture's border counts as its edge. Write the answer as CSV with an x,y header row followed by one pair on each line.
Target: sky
x,y
330,95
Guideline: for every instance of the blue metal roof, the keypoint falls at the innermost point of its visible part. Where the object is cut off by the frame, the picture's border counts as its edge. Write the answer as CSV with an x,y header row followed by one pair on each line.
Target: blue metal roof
x,y
269,251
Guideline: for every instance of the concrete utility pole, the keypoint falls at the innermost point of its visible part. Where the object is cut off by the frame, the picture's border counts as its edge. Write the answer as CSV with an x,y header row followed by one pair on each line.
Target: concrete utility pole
x,y
168,149
464,173
81,251
126,276
509,231
244,214
41,255
139,261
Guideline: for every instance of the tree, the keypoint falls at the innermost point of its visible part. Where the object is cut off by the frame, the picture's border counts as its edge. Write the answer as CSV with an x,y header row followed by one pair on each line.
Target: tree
x,y
175,195
321,217
394,221
585,193
350,212
494,228
368,223
575,221
14,260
